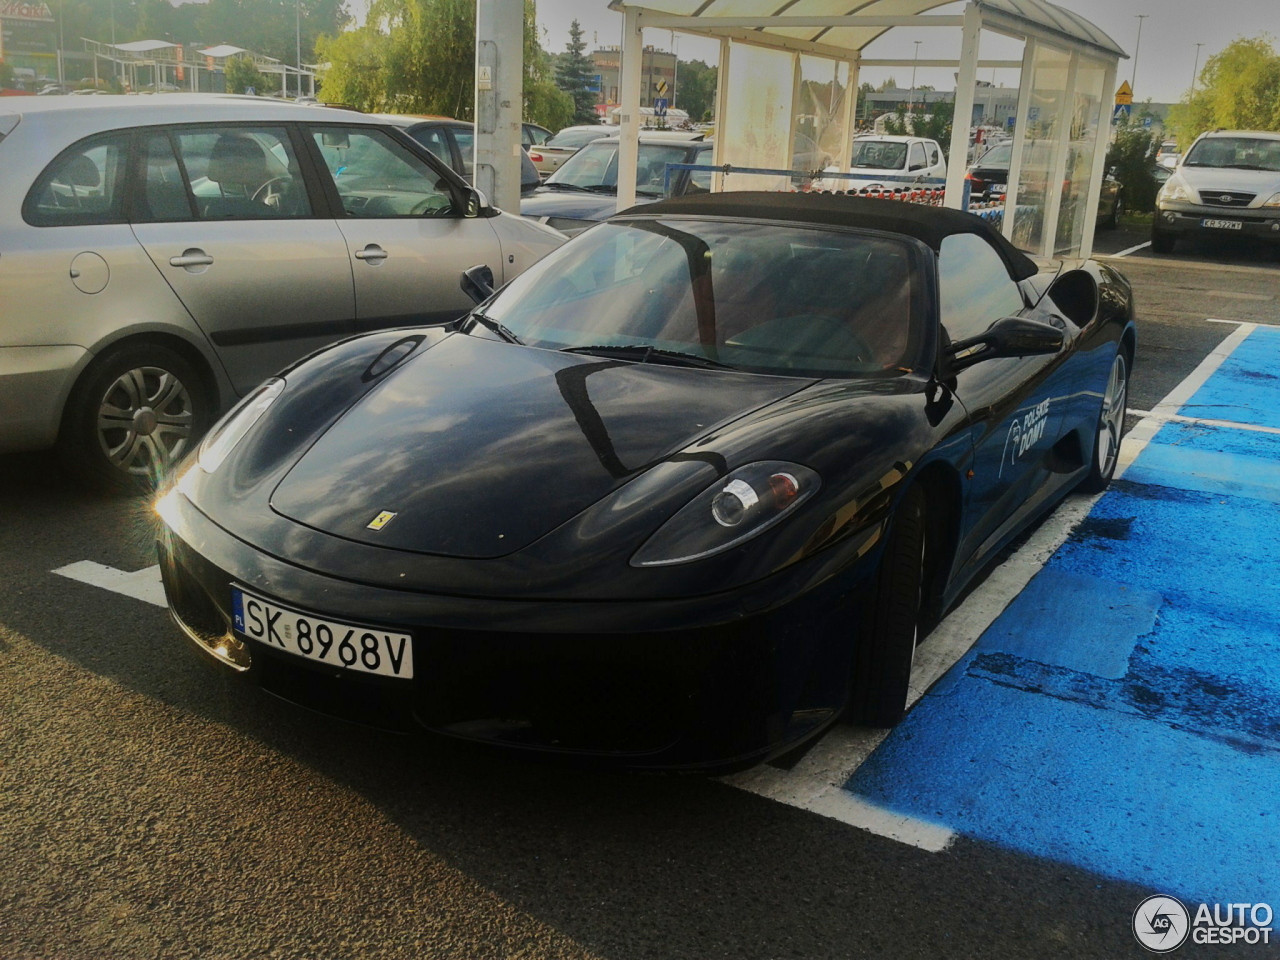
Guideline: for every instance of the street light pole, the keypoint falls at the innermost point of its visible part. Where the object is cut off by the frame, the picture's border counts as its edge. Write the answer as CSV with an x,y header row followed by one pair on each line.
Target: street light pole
x,y
1195,71
1137,48
911,108
297,26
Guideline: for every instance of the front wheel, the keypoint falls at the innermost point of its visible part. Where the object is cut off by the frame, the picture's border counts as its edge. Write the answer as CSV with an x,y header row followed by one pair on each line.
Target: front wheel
x,y
890,625
1162,242
136,412
1106,444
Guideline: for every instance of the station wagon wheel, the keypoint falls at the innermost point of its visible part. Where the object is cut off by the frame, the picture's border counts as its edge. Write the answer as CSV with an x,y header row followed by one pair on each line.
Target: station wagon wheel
x,y
135,413
890,625
1106,444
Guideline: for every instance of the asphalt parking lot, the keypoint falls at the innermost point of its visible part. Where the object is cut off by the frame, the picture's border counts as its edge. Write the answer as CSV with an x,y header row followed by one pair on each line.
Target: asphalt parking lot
x,y
1104,728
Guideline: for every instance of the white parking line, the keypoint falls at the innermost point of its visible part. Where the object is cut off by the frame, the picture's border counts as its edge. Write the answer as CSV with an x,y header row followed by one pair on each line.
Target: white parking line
x,y
815,783
141,584
1125,253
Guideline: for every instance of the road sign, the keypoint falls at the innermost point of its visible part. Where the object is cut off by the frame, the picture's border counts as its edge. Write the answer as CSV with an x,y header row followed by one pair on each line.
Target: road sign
x,y
1146,122
662,88
660,107
1124,96
1122,110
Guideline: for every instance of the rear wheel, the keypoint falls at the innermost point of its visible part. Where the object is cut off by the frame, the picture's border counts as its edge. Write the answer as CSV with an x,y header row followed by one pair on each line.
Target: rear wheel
x,y
1117,211
1106,444
890,624
136,412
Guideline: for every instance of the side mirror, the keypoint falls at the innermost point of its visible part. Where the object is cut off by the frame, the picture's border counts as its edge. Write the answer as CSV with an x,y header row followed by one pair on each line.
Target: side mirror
x,y
1010,337
473,202
478,283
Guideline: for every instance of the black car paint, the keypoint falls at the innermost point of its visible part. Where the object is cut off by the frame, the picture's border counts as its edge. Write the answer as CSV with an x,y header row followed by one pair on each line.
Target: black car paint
x,y
764,632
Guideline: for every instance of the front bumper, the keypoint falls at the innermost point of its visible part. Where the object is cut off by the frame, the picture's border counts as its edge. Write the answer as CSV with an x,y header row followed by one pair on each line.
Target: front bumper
x,y
1187,219
645,684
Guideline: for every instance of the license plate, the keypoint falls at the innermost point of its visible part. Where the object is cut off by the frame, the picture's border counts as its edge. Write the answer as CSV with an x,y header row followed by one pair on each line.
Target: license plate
x,y
361,649
998,188
1222,224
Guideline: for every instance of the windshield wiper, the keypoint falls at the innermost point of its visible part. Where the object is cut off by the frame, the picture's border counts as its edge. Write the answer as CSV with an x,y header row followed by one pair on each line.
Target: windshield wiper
x,y
646,354
600,188
561,185
496,327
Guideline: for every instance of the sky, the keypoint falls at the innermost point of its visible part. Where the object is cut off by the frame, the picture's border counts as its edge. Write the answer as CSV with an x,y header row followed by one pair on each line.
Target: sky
x,y
1166,58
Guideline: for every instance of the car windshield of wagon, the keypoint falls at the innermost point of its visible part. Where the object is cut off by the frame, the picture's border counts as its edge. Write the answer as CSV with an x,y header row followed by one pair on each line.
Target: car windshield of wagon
x,y
879,155
763,298
1240,153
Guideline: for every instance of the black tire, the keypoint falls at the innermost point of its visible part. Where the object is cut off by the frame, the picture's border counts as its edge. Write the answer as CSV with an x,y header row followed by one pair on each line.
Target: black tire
x,y
1110,429
1162,242
1117,210
134,413
890,623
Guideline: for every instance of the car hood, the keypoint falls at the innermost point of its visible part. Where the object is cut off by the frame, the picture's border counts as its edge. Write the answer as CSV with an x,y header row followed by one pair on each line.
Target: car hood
x,y
572,204
1209,179
479,448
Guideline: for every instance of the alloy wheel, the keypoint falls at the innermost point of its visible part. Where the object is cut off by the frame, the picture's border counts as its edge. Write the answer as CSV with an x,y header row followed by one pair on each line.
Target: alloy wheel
x,y
1111,427
145,421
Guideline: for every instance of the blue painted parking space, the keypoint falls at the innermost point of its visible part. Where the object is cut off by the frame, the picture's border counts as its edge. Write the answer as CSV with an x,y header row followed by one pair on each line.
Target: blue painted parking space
x,y
1123,713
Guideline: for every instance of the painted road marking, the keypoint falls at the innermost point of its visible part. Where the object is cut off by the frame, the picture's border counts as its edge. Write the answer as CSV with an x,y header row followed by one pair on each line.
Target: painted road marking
x,y
832,762
1164,776
1125,253
142,585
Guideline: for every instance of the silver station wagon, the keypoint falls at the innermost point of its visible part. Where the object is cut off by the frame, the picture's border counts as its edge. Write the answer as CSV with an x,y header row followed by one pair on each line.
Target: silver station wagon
x,y
159,258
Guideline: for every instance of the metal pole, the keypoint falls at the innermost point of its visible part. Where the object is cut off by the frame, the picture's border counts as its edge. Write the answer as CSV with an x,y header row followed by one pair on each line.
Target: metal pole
x,y
629,114
1195,71
1137,48
958,160
911,107
499,104
297,26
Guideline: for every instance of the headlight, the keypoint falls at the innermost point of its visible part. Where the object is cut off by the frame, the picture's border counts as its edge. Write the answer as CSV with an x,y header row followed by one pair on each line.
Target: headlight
x,y
731,511
1175,191
1273,202
223,438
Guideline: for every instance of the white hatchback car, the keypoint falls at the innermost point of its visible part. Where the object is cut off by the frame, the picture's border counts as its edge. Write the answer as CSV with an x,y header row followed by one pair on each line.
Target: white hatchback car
x,y
161,257
887,162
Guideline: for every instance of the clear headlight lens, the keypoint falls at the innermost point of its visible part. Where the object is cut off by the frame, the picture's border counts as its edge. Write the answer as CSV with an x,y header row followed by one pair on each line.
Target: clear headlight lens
x,y
1175,191
731,511
1273,202
223,438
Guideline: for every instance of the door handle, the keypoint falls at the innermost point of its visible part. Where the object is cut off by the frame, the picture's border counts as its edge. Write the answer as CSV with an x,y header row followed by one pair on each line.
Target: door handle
x,y
372,253
192,258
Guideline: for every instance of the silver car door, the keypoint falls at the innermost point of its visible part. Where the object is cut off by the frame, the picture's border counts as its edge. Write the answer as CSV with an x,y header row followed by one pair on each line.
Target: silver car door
x,y
409,243
230,224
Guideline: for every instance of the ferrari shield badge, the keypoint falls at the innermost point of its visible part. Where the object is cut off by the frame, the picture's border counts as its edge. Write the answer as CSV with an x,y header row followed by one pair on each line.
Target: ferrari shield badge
x,y
381,520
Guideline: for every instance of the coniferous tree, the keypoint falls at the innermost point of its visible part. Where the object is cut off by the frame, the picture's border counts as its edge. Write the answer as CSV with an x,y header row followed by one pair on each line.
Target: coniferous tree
x,y
574,75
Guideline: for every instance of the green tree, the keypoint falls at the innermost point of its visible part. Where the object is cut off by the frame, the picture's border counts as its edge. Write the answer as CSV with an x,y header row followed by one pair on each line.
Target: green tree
x,y
243,76
696,88
355,75
1132,155
890,84
418,56
934,125
6,74
574,73
1239,89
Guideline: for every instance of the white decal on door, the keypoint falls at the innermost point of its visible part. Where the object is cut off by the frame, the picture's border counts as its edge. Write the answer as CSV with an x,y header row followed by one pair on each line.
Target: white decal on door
x,y
1024,433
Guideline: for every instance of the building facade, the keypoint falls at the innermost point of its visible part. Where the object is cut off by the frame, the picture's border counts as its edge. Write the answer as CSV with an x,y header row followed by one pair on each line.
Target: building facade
x,y
658,67
29,39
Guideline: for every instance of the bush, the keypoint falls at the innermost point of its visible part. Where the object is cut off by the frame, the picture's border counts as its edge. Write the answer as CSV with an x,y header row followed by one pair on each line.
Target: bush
x,y
1133,157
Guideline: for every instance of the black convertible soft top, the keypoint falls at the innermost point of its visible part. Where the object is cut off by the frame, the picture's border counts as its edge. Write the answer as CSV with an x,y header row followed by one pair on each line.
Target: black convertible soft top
x,y
930,225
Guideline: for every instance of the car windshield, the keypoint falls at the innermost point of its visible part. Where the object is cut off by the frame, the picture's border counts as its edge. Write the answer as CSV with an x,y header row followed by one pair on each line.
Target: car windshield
x,y
879,155
1000,156
770,299
595,167
576,138
1240,153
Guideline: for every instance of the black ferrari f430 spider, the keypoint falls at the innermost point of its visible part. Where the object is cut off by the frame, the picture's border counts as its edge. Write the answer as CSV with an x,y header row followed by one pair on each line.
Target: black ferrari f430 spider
x,y
680,495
